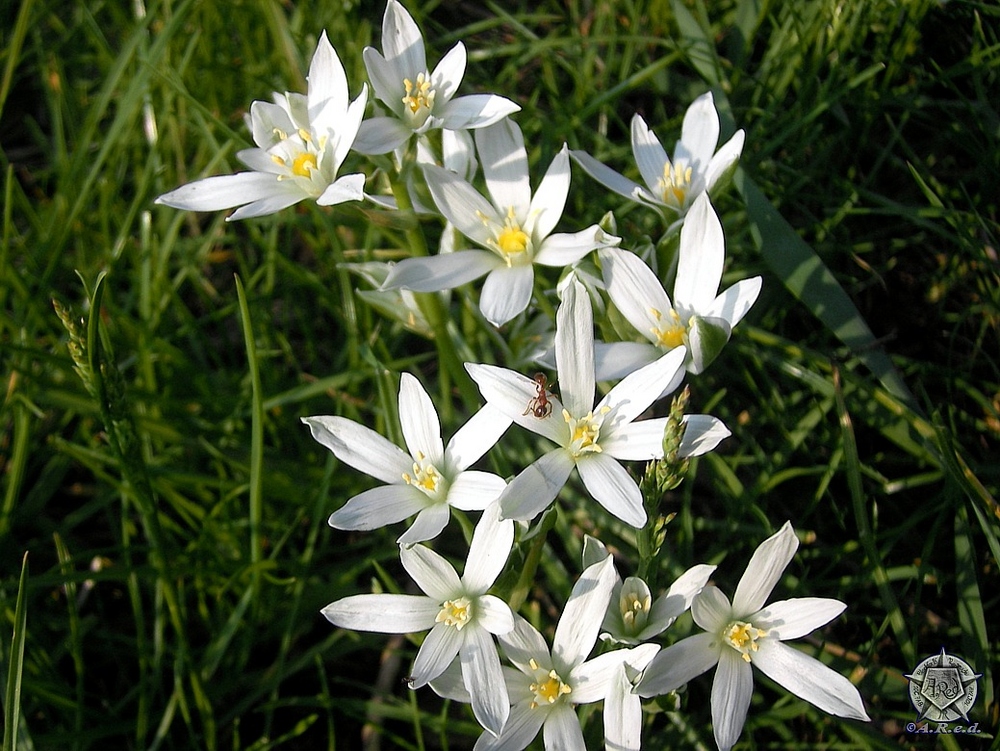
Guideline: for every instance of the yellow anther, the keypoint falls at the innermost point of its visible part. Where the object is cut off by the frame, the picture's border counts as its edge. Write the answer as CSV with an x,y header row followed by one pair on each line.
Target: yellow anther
x,y
455,613
547,687
675,184
669,333
304,164
419,95
743,637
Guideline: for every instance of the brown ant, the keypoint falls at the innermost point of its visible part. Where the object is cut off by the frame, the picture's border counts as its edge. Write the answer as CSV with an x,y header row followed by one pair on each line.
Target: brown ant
x,y
539,405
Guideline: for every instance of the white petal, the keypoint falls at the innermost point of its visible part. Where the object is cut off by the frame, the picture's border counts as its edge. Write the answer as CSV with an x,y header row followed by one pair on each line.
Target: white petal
x,y
343,189
402,42
270,204
267,118
638,441
702,433
360,447
810,679
460,203
790,619
440,647
562,731
711,609
550,199
635,290
488,551
380,135
605,175
506,293
563,249
419,421
258,160
505,166
494,615
448,74
678,664
383,613
484,679
731,692
634,393
475,111
475,437
520,729
523,644
677,599
699,133
581,618
226,191
511,393
386,82
474,491
451,685
615,360
649,154
538,484
734,303
342,128
431,572
575,350
327,81
430,522
591,681
724,159
622,715
378,507
701,258
613,487
765,568
445,271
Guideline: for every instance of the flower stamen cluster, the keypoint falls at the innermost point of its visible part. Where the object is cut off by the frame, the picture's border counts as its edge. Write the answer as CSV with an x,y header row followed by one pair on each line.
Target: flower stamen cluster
x,y
742,637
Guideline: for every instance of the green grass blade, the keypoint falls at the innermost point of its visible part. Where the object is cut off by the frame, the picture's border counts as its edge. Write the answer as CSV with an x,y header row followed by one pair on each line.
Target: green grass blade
x,y
806,276
12,700
256,439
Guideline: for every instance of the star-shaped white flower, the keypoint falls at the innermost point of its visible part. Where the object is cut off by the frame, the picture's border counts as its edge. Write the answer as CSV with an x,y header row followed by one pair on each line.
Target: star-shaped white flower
x,y
301,143
429,481
547,685
514,226
695,169
419,99
699,319
592,439
746,633
459,613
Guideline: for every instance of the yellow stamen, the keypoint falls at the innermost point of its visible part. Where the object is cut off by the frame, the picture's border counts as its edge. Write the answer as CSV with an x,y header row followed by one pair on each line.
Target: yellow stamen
x,y
455,613
425,476
670,333
548,687
419,95
675,184
743,637
304,164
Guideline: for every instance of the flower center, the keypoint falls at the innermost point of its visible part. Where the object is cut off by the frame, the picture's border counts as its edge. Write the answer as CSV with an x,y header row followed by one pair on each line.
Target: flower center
x,y
635,610
547,687
455,613
419,99
510,242
675,184
585,432
743,637
304,164
668,333
425,477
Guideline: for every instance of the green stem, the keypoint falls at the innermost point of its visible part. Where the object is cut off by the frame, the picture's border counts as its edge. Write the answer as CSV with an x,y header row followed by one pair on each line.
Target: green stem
x,y
531,560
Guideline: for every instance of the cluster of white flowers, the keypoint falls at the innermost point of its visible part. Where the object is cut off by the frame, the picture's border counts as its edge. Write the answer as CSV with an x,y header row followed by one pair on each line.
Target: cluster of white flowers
x,y
302,142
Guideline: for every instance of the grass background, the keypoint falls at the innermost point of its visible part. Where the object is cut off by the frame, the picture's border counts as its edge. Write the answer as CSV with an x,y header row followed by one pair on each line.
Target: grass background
x,y
174,509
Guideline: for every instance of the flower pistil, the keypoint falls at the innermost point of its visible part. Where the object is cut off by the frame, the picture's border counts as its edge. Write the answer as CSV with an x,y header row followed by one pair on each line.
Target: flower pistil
x,y
742,637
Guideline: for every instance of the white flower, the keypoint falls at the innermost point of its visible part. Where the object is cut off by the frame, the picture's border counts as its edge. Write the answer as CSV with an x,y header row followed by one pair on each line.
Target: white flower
x,y
590,438
747,633
460,615
301,143
697,319
695,169
514,226
547,685
635,617
419,99
429,481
